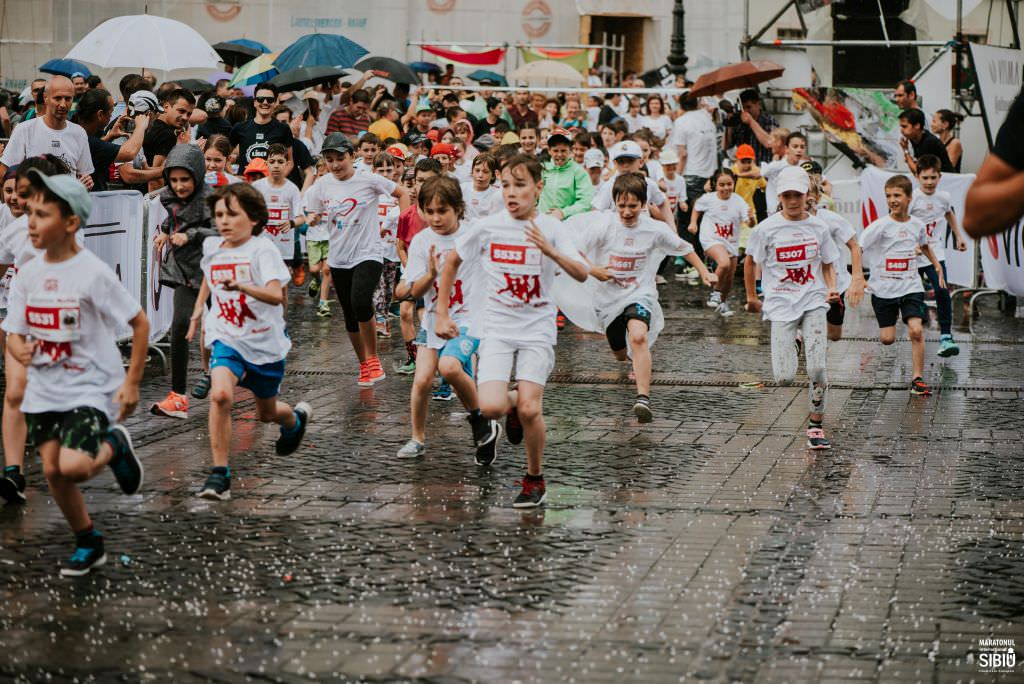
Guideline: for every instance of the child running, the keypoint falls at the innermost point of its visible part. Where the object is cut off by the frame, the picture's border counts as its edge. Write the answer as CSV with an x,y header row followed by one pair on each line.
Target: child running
x,y
849,283
244,328
518,251
890,246
65,309
440,201
481,196
796,254
722,215
284,203
627,251
349,201
387,214
935,209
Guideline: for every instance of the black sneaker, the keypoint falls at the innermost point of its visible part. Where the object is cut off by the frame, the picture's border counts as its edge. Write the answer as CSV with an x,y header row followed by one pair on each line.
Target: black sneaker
x,y
88,554
12,487
202,388
288,442
217,487
642,409
532,495
485,437
513,428
126,465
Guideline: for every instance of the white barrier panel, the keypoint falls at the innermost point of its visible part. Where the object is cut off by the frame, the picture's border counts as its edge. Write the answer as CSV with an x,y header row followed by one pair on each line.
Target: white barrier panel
x,y
159,299
114,234
959,265
1002,257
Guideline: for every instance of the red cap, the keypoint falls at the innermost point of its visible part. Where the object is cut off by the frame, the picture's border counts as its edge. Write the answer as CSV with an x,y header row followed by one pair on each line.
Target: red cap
x,y
443,148
434,135
745,152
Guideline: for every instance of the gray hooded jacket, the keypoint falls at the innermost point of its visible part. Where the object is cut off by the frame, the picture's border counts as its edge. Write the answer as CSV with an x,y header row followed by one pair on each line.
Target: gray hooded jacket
x,y
191,216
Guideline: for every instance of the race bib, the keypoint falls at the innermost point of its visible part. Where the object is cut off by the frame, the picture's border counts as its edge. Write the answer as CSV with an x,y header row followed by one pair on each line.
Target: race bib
x,y
897,266
519,269
52,318
796,252
240,272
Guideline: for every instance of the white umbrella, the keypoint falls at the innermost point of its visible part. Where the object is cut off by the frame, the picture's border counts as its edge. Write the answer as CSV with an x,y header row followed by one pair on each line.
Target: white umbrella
x,y
145,41
547,73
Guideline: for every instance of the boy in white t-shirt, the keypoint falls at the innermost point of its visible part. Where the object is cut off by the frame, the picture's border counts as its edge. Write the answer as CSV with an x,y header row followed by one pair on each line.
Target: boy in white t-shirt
x,y
244,328
891,245
284,203
518,252
482,197
935,209
796,152
627,157
65,309
796,254
625,253
441,204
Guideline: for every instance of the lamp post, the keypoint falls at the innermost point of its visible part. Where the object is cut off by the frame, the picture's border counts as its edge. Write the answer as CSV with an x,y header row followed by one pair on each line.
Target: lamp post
x,y
677,50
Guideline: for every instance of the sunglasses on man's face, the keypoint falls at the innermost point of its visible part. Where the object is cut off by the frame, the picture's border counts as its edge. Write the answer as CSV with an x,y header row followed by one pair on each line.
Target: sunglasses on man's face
x,y
265,99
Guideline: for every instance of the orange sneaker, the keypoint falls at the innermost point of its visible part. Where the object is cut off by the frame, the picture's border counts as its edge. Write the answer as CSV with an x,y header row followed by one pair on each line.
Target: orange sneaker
x,y
299,278
376,370
174,406
364,374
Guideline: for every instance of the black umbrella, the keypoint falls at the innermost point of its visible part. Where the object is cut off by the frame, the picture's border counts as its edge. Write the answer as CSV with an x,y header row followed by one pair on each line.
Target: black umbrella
x,y
195,85
305,77
388,68
236,55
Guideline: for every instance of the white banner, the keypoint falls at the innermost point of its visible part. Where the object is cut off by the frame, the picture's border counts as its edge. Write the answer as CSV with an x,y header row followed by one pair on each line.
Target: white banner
x,y
959,265
998,71
1001,258
159,299
113,233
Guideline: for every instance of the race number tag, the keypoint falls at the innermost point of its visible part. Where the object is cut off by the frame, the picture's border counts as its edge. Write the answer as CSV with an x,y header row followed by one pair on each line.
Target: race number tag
x,y
240,272
52,318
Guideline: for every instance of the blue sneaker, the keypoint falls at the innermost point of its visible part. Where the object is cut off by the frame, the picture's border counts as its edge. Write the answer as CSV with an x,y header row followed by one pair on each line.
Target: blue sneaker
x,y
88,554
947,347
443,392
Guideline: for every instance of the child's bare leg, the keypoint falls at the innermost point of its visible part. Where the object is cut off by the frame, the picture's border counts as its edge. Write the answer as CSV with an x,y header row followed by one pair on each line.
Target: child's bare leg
x,y
637,336
915,331
530,407
222,398
452,371
426,364
15,431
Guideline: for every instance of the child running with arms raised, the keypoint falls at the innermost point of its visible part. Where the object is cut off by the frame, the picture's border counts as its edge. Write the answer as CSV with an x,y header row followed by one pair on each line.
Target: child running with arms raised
x,y
519,252
722,213
440,201
246,276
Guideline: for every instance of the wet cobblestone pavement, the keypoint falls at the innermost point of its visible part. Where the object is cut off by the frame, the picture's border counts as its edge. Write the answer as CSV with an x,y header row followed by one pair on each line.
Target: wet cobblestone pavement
x,y
708,545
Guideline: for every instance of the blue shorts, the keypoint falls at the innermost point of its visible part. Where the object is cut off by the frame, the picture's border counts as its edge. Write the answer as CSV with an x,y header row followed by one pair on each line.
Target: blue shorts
x,y
263,380
462,348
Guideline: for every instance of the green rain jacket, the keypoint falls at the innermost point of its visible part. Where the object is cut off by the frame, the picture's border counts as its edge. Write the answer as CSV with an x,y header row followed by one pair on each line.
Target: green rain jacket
x,y
567,188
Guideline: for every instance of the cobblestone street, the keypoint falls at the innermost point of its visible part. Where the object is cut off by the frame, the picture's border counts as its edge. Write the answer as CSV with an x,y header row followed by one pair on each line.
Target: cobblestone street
x,y
707,545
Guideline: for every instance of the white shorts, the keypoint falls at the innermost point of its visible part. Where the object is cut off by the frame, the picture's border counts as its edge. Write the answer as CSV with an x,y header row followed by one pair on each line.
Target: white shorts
x,y
709,240
533,362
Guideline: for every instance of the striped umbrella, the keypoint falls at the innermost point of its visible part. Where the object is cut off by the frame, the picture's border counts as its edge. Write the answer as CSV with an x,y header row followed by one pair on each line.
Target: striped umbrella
x,y
257,71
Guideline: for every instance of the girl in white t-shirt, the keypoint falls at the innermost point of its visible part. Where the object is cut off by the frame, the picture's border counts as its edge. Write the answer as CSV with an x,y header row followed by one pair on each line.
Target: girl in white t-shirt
x,y
246,276
722,214
385,165
481,196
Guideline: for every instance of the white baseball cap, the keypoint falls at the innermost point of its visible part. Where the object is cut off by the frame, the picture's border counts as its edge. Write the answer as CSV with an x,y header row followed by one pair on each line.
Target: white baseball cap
x,y
668,156
593,159
626,148
792,178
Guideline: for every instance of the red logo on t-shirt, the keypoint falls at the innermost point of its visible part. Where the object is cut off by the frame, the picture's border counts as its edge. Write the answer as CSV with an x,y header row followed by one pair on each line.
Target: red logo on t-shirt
x,y
508,254
799,276
930,228
235,312
791,253
723,230
456,299
522,287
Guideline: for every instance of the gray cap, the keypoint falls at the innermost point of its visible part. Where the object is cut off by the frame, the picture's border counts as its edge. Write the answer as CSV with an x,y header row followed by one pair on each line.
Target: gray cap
x,y
69,189
143,101
337,142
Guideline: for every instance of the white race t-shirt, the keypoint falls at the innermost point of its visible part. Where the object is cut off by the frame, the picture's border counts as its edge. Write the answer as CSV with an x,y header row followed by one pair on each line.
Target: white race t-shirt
x,y
73,309
722,220
660,126
15,247
517,278
890,254
841,231
791,254
633,255
931,210
464,301
482,202
676,190
33,138
350,209
696,131
603,200
253,328
284,203
387,215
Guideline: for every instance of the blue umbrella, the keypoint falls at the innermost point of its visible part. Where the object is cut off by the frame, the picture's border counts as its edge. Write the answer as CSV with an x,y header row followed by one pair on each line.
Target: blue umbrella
x,y
320,49
251,44
485,75
65,67
425,67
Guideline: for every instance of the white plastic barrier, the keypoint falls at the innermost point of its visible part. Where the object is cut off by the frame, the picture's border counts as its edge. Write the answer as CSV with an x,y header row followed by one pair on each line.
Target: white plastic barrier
x,y
159,299
114,234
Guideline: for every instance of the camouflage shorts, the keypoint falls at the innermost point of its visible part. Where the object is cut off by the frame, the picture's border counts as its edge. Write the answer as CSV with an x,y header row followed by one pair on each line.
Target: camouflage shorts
x,y
80,429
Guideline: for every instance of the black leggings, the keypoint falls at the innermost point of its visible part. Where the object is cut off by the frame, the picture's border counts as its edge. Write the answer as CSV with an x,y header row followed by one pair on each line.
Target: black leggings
x,y
355,287
184,302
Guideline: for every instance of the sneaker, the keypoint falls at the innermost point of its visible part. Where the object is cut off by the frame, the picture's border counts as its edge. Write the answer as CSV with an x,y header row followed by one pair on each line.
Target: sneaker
x,y
659,279
125,463
692,275
816,439
443,392
920,388
485,436
299,278
314,285
513,428
88,554
683,275
323,309
202,388
560,320
12,487
290,440
217,487
364,375
725,311
407,368
642,409
412,449
174,406
714,299
382,327
375,369
532,495
947,347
